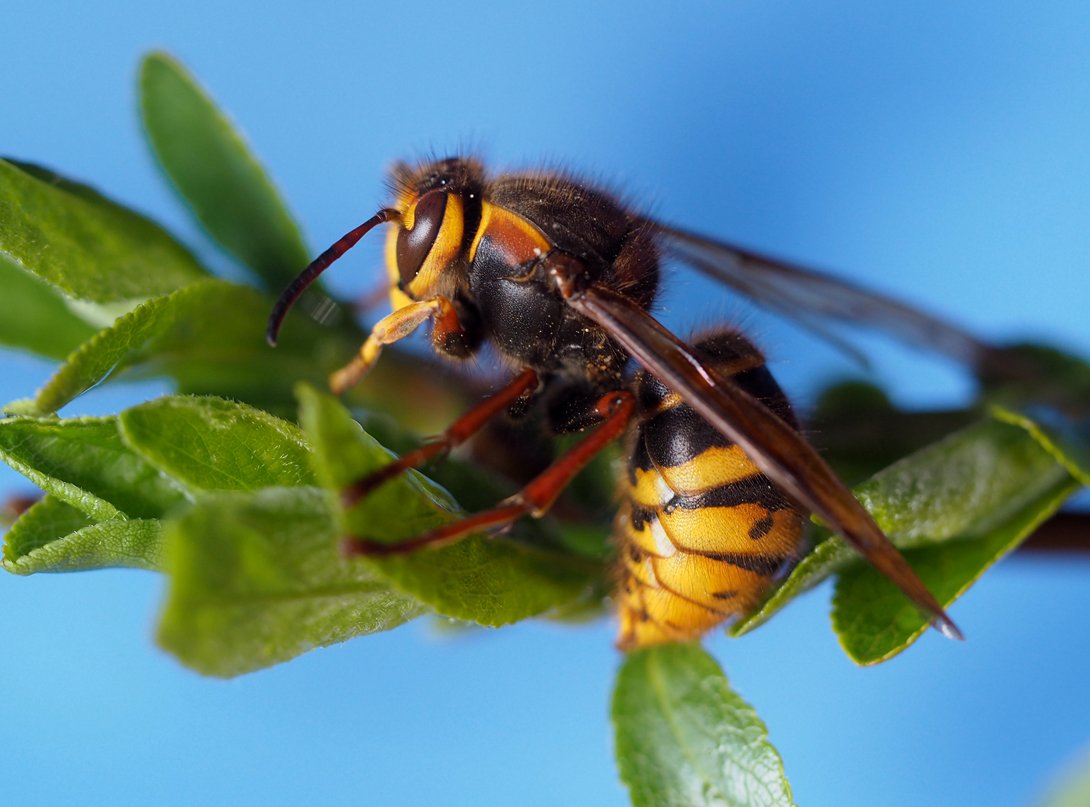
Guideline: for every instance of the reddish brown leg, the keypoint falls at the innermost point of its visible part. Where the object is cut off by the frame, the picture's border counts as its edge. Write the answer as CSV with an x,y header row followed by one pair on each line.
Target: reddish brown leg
x,y
535,499
460,431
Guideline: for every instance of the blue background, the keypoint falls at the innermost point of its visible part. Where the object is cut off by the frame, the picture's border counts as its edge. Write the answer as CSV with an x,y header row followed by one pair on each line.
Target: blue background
x,y
940,153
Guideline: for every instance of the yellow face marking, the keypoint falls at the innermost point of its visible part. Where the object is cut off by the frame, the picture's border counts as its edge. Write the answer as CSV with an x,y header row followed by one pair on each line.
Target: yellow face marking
x,y
429,281
444,252
405,205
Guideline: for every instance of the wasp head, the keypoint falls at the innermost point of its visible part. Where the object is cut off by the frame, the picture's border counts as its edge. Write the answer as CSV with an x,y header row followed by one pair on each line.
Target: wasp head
x,y
439,203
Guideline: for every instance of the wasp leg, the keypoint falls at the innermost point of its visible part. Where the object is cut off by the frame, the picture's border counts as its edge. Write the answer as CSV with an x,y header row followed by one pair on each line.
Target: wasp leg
x,y
458,432
616,409
391,328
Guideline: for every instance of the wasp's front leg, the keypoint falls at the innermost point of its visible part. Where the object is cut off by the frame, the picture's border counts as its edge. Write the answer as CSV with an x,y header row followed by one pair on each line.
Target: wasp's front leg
x,y
393,328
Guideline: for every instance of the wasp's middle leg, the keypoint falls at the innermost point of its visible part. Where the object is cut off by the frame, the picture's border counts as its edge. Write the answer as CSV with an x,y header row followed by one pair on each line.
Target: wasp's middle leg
x,y
461,430
615,410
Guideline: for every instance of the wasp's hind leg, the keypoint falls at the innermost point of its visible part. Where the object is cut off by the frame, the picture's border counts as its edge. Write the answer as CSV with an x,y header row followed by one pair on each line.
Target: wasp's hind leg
x,y
614,410
524,384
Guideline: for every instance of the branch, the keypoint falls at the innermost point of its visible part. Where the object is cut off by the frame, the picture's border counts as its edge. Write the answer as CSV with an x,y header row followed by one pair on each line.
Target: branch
x,y
1064,532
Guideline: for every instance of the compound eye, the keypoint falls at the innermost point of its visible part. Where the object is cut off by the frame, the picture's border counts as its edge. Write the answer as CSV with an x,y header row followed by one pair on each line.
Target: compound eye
x,y
414,245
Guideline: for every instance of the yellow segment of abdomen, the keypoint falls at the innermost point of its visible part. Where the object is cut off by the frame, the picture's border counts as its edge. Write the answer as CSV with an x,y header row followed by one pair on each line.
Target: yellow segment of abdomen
x,y
694,557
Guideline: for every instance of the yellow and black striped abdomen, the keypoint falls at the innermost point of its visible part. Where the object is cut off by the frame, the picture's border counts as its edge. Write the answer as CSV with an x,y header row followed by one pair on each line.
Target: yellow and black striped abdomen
x,y
701,531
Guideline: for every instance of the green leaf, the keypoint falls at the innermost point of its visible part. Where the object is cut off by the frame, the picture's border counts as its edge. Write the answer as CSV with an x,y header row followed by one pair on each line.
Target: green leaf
x,y
256,579
875,621
977,479
209,336
55,537
83,462
210,444
684,738
217,175
43,522
1072,787
873,618
86,245
491,582
1066,441
134,336
34,316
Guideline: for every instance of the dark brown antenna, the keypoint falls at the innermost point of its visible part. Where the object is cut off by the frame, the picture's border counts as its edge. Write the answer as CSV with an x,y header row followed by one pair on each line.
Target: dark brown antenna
x,y
316,267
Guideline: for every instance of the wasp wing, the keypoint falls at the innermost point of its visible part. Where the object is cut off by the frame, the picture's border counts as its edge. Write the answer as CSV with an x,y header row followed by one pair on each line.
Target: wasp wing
x,y
803,294
773,446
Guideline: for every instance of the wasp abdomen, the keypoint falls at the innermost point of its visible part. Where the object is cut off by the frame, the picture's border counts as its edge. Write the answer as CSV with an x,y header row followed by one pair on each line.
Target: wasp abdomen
x,y
702,532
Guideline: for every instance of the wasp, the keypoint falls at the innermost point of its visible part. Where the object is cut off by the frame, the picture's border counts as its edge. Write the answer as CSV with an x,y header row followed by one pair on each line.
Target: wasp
x,y
560,276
